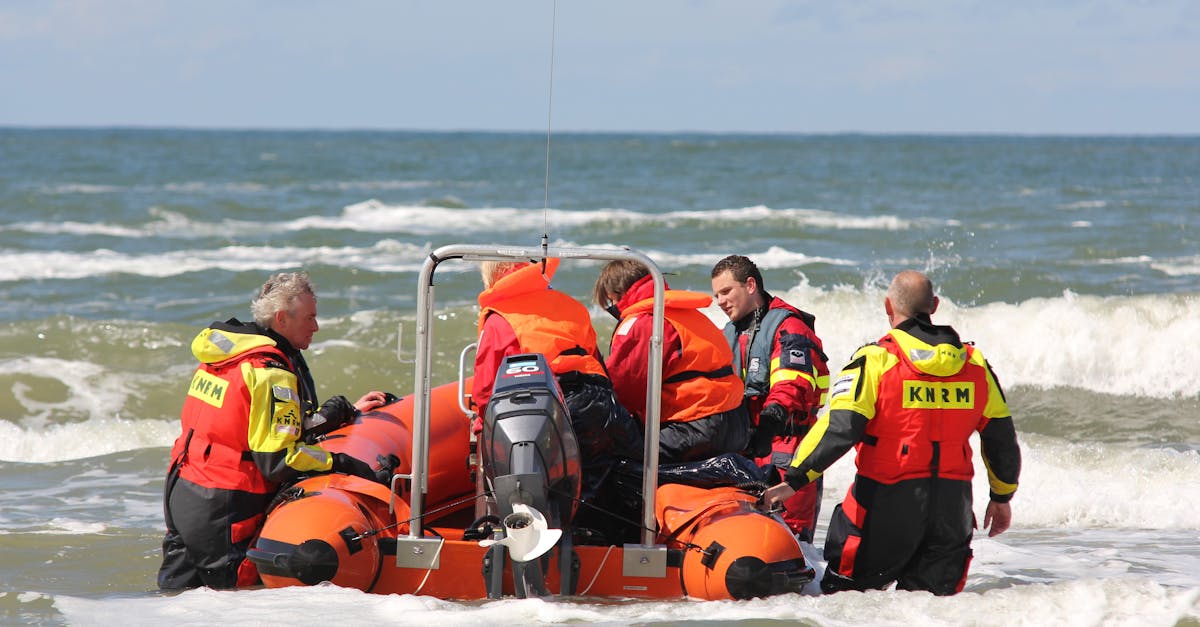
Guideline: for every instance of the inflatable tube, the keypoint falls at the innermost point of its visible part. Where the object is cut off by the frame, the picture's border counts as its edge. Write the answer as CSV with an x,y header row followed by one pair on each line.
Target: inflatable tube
x,y
329,527
732,550
338,528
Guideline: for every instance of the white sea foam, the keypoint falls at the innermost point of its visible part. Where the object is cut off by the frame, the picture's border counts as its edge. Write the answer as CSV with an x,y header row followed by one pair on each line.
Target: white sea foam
x,y
1179,266
1071,486
772,258
383,256
1089,601
378,217
80,440
1072,340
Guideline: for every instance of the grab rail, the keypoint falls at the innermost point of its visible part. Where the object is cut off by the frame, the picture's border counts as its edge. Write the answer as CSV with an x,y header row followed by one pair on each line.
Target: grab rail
x,y
422,385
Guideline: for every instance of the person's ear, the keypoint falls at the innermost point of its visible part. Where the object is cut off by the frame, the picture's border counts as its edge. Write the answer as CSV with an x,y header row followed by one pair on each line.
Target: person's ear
x,y
751,285
887,306
935,304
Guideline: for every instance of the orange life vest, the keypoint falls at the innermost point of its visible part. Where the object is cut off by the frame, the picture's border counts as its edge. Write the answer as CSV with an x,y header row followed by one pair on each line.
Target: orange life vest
x,y
544,320
923,422
702,381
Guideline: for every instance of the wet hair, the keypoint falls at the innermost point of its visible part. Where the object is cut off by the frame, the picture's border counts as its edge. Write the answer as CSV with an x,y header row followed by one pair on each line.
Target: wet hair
x,y
279,293
742,269
911,294
492,271
616,277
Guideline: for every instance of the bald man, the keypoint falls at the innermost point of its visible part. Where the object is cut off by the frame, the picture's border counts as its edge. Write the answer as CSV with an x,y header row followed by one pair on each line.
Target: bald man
x,y
912,400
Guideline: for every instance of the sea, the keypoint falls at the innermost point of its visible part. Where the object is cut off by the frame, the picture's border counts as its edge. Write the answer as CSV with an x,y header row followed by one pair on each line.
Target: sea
x,y
1072,262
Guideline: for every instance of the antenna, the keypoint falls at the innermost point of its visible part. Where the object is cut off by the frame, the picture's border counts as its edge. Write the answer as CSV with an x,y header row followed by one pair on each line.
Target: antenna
x,y
549,117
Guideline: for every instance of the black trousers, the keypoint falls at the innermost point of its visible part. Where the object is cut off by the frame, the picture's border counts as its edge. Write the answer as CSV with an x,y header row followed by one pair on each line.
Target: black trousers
x,y
199,547
916,533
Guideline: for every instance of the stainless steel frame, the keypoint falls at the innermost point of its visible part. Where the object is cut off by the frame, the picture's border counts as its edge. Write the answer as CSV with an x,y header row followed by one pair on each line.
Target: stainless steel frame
x,y
645,557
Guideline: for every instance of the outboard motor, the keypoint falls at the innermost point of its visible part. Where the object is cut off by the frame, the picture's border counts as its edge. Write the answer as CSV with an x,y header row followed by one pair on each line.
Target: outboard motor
x,y
530,462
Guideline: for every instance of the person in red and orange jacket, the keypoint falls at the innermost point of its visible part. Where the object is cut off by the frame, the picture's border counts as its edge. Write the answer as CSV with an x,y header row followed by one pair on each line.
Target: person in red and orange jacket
x,y
248,408
780,359
909,404
702,415
521,313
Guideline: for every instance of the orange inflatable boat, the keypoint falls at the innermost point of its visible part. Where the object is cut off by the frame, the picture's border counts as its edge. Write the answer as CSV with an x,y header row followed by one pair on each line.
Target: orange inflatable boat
x,y
423,534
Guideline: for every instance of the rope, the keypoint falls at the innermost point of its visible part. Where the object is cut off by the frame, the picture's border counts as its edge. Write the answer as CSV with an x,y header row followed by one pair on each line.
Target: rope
x,y
429,570
370,532
599,569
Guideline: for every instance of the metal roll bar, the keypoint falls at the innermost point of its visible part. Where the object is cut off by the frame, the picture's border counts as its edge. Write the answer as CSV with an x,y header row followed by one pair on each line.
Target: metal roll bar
x,y
422,386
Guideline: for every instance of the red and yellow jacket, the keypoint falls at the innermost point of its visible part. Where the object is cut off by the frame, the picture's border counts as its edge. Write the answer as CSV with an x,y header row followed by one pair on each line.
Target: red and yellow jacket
x,y
243,414
698,376
781,361
909,404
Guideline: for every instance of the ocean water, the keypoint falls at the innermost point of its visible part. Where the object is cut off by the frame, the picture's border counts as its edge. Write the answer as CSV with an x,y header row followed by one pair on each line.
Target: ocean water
x,y
1072,262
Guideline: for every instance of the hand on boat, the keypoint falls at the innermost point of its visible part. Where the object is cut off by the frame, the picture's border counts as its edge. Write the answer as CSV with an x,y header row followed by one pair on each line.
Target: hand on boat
x,y
773,497
334,413
349,465
371,400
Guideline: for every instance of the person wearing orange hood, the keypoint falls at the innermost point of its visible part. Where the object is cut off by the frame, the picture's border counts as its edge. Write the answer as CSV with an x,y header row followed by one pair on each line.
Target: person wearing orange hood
x,y
702,415
521,313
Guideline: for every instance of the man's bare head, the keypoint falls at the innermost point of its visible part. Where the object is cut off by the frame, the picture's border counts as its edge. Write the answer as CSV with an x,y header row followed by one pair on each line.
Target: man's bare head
x,y
910,295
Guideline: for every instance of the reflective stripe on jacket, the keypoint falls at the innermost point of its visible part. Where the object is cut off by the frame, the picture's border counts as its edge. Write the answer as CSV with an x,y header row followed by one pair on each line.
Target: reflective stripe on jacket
x,y
243,413
929,401
763,368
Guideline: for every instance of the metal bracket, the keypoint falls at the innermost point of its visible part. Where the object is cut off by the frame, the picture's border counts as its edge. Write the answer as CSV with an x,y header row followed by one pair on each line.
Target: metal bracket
x,y
422,553
644,561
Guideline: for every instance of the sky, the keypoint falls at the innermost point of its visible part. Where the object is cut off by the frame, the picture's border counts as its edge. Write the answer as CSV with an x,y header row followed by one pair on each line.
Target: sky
x,y
761,66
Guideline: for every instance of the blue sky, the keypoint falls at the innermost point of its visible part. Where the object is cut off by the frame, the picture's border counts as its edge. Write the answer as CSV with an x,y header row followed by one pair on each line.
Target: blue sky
x,y
1012,66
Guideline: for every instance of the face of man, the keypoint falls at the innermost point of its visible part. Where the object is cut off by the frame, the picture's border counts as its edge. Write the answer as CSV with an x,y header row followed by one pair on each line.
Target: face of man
x,y
300,324
736,299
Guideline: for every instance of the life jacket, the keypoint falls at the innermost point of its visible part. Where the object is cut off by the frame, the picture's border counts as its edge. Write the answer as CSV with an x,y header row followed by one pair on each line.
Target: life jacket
x,y
927,406
213,451
702,382
544,320
756,372
759,368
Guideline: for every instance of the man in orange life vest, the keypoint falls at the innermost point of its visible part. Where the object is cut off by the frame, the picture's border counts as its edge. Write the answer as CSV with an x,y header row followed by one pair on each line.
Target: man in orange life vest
x,y
521,313
910,403
702,412
781,361
249,407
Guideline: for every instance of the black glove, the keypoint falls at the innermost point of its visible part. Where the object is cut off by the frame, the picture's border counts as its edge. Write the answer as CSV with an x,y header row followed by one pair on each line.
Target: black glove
x,y
334,413
349,465
771,421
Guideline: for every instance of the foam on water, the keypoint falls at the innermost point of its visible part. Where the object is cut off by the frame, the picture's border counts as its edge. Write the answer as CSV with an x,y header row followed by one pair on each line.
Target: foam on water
x,y
1089,601
80,440
1087,342
375,216
383,256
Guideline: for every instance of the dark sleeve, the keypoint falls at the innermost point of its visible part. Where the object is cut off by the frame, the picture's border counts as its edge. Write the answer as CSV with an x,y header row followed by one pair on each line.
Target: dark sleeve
x,y
1001,457
835,433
